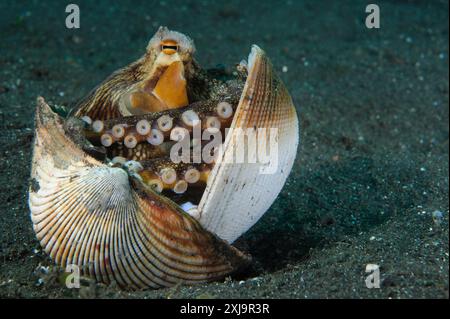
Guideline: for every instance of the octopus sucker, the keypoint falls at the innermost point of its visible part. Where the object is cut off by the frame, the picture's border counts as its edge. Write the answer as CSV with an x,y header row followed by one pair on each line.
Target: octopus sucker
x,y
156,137
180,187
97,126
86,119
178,133
106,139
191,175
164,123
212,122
118,197
224,110
130,141
143,127
190,118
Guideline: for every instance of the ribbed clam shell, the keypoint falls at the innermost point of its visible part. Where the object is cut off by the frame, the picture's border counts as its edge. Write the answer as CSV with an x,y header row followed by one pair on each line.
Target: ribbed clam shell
x,y
101,219
237,195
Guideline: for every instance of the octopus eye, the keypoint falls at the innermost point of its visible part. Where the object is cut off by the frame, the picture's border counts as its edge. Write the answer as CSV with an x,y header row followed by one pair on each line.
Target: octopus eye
x,y
169,47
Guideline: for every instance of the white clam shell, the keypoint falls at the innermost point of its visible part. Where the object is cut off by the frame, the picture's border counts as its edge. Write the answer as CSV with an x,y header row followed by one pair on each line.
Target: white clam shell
x,y
238,195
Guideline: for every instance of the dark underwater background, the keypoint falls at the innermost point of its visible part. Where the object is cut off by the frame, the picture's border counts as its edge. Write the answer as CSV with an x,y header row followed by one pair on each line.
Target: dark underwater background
x,y
370,183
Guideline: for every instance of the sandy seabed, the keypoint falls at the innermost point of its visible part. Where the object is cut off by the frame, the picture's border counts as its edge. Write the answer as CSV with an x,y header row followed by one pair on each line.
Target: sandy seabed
x,y
372,166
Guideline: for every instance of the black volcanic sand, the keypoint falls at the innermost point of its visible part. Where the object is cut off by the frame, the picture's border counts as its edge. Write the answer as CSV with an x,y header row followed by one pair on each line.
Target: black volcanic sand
x,y
371,167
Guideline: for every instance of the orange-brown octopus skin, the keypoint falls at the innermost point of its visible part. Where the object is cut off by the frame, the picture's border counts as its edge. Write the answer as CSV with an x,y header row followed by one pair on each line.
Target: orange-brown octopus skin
x,y
171,87
155,82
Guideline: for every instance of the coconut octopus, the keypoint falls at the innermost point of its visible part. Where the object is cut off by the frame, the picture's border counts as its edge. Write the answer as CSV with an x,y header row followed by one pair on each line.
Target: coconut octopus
x,y
107,195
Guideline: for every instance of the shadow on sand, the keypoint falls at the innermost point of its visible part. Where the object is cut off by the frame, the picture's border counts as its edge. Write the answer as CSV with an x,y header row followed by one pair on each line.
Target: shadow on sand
x,y
340,199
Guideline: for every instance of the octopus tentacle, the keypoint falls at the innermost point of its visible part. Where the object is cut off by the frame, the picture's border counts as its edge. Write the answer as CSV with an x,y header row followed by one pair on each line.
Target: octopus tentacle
x,y
159,128
162,174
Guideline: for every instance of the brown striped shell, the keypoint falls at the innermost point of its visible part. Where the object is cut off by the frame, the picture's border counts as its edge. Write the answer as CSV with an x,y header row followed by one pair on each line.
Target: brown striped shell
x,y
116,228
105,221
